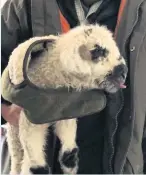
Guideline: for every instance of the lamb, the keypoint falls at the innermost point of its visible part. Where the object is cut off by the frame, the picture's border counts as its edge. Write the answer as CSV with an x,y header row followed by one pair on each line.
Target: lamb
x,y
86,57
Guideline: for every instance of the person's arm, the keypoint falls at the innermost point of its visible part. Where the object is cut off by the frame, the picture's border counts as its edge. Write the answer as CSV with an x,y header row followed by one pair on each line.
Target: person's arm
x,y
11,36
14,28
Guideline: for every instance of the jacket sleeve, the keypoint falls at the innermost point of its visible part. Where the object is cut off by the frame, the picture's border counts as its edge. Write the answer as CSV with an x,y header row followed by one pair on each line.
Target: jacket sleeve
x,y
11,27
12,34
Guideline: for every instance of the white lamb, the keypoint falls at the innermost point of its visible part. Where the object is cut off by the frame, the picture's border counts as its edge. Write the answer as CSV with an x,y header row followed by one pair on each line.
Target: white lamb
x,y
84,58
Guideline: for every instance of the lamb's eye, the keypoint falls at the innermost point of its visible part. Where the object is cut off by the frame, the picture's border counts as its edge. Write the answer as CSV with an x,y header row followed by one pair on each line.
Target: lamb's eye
x,y
96,46
98,52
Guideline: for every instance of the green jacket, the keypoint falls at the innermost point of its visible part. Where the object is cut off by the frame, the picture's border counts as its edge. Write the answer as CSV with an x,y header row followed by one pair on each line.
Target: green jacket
x,y
126,110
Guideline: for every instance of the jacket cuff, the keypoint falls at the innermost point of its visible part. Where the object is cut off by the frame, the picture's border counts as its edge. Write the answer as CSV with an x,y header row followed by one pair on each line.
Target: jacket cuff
x,y
3,101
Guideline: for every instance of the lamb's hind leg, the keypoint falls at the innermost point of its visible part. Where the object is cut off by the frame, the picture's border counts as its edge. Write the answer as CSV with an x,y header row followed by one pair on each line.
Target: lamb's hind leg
x,y
68,157
33,139
15,149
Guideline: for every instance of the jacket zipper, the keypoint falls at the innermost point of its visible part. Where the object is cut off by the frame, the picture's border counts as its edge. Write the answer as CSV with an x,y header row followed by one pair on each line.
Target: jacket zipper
x,y
122,105
134,25
114,132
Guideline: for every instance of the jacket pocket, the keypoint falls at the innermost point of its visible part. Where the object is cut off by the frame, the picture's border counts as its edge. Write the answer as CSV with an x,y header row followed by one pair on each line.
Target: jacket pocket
x,y
133,165
128,169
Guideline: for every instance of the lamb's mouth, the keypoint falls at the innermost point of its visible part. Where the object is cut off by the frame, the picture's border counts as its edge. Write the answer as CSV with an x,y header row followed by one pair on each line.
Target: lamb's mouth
x,y
112,86
119,84
115,80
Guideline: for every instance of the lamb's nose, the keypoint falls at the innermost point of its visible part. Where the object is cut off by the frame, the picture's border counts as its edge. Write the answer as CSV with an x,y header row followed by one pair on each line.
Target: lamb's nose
x,y
120,71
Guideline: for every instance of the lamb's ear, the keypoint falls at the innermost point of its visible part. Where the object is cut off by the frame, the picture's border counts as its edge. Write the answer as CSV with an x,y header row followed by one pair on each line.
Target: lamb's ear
x,y
84,52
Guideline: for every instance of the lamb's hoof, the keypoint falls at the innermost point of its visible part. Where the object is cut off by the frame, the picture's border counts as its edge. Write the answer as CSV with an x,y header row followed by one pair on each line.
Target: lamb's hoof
x,y
40,170
69,161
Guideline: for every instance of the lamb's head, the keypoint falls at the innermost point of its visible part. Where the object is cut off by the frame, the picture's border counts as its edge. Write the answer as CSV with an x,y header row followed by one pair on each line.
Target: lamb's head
x,y
90,54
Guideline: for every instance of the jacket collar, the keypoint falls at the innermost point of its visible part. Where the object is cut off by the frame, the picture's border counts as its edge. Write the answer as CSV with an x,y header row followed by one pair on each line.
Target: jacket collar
x,y
131,7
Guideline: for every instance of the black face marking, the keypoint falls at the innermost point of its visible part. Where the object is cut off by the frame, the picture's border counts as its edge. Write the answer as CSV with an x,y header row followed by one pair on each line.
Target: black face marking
x,y
120,71
88,32
98,52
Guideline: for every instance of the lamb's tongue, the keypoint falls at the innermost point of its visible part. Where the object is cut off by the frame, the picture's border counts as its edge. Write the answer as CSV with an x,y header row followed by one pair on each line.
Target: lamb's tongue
x,y
122,86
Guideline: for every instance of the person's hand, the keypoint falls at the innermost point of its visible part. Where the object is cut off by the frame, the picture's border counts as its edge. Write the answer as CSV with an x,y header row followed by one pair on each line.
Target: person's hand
x,y
11,113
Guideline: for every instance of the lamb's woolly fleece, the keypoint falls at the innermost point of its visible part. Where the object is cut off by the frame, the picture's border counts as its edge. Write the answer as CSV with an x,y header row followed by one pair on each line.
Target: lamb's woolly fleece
x,y
63,63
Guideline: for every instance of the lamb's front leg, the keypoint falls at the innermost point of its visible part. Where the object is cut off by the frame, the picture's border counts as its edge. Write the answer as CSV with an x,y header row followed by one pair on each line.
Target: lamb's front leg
x,y
68,156
15,149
